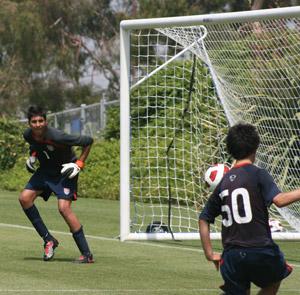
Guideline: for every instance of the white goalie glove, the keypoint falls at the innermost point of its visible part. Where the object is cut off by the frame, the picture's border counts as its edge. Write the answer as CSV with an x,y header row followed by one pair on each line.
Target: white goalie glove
x,y
70,170
30,164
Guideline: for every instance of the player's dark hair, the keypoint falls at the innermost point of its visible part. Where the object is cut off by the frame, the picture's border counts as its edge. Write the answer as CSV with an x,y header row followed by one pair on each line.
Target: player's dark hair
x,y
35,111
242,140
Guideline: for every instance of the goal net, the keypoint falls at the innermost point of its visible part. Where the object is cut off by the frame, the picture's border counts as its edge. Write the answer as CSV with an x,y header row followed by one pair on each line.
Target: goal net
x,y
184,81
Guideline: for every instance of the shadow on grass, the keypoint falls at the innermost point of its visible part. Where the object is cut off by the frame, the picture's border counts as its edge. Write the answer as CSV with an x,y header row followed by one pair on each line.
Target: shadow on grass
x,y
54,259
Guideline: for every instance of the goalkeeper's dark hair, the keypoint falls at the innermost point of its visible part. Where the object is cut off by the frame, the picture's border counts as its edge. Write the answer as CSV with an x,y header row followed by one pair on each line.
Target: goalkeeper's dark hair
x,y
242,140
36,111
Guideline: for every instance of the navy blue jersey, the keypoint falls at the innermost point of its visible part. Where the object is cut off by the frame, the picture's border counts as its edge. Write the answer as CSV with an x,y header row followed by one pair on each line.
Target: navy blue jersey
x,y
55,149
242,199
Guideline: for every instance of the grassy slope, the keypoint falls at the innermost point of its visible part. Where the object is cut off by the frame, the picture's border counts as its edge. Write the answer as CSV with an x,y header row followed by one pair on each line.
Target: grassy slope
x,y
120,268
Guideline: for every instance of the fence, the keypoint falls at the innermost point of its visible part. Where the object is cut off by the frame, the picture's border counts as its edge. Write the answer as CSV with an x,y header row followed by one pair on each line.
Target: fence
x,y
84,120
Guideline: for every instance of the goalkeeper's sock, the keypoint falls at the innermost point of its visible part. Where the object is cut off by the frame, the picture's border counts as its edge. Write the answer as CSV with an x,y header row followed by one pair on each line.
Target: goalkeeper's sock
x,y
81,242
34,216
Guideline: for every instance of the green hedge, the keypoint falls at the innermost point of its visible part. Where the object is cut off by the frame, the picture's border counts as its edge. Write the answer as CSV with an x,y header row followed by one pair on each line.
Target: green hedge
x,y
100,178
11,143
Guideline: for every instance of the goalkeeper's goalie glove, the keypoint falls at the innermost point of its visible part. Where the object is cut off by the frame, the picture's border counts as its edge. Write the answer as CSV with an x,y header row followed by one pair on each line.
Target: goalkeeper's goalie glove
x,y
30,164
70,170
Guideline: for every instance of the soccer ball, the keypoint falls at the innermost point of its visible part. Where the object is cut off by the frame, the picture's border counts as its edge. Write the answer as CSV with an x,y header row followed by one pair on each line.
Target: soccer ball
x,y
275,225
214,174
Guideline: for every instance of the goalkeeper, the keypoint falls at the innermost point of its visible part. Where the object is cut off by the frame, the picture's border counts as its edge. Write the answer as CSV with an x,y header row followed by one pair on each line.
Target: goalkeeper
x,y
57,173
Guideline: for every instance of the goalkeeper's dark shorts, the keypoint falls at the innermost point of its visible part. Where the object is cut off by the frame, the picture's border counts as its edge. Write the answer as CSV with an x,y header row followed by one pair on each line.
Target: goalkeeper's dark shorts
x,y
63,188
242,266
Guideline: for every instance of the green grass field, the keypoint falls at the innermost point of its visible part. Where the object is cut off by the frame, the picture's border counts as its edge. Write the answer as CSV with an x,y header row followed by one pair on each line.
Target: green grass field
x,y
120,268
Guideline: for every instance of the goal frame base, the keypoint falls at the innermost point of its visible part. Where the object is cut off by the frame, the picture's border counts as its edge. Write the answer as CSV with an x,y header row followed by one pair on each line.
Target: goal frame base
x,y
195,236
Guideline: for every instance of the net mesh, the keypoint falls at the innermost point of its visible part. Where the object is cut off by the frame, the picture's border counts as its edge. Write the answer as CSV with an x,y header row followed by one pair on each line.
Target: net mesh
x,y
181,112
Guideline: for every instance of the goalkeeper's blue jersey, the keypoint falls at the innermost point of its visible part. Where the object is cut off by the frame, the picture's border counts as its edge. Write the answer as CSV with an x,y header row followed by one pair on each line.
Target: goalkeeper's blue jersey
x,y
242,199
55,149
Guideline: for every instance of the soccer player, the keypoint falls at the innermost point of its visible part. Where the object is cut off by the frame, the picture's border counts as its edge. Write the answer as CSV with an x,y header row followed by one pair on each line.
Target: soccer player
x,y
57,173
242,199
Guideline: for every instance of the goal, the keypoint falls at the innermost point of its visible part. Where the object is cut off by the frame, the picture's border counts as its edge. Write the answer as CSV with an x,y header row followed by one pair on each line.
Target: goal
x,y
184,81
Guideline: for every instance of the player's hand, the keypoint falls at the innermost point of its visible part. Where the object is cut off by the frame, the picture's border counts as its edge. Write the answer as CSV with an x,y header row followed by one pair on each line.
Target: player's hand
x,y
216,260
30,164
70,170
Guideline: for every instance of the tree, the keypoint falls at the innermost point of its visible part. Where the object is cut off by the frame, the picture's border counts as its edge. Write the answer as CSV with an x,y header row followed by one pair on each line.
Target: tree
x,y
166,8
47,46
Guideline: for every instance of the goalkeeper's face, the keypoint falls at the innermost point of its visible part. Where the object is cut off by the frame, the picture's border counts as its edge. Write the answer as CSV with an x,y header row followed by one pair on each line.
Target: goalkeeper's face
x,y
38,124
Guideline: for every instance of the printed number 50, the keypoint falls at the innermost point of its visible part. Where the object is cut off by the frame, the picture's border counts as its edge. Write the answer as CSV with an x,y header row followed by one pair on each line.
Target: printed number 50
x,y
234,211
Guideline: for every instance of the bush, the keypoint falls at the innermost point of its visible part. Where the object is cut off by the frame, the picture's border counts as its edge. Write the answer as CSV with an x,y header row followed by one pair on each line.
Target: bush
x,y
11,143
14,179
101,176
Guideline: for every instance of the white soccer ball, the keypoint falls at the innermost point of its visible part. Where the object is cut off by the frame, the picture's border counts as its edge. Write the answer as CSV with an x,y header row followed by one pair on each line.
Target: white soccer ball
x,y
275,225
214,174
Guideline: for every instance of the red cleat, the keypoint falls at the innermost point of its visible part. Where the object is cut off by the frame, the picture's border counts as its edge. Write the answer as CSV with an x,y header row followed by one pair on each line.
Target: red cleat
x,y
49,249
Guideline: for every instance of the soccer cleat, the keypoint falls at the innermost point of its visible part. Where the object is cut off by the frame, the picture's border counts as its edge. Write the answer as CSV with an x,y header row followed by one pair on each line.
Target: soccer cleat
x,y
49,249
85,259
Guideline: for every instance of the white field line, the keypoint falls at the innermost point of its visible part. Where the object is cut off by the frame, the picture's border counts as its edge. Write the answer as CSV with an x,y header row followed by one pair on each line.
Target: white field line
x,y
105,238
116,291
131,291
144,243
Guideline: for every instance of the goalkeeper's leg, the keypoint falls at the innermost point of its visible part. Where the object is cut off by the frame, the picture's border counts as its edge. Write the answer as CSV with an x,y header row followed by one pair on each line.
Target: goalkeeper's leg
x,y
27,198
76,229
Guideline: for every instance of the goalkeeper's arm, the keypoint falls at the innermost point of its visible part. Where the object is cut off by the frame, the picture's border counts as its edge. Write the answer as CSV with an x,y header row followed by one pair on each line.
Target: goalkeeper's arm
x,y
84,154
30,162
70,170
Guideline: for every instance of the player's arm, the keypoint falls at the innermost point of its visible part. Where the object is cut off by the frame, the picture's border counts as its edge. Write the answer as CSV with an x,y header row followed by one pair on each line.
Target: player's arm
x,y
70,139
70,170
206,217
83,156
273,194
204,230
286,198
31,160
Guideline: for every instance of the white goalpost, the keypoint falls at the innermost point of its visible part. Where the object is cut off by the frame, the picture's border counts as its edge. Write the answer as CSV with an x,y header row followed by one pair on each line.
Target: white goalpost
x,y
184,81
